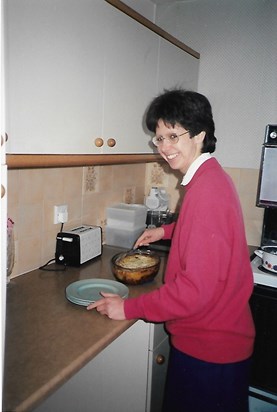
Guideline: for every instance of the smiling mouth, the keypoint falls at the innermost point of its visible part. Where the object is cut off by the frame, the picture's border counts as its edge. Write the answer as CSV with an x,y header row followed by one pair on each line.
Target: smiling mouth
x,y
172,156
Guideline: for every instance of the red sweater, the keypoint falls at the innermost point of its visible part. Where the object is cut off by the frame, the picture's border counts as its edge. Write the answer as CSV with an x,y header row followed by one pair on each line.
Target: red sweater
x,y
208,279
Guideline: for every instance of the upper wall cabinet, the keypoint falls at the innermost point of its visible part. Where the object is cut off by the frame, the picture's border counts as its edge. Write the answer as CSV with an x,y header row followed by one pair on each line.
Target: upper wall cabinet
x,y
129,82
54,71
80,75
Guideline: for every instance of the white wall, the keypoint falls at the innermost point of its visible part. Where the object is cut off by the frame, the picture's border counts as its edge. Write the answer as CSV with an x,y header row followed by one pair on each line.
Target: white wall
x,y
237,41
145,7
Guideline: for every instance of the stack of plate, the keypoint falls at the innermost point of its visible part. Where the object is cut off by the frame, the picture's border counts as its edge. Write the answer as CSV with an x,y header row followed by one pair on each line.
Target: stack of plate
x,y
84,292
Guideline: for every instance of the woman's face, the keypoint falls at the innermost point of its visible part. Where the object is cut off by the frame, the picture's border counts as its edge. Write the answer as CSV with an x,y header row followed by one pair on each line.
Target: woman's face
x,y
178,155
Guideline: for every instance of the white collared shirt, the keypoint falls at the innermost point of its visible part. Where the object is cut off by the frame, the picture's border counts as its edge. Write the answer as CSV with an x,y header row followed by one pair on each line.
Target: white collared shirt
x,y
194,167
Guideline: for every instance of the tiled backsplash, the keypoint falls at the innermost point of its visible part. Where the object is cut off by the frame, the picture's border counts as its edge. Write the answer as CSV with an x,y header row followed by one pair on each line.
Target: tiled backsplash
x,y
32,194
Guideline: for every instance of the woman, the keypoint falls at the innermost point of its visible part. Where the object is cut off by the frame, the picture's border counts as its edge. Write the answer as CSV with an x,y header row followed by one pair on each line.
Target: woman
x,y
208,279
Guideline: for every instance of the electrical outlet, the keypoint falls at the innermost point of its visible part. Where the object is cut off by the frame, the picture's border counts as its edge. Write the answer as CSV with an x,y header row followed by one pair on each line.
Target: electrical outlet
x,y
60,214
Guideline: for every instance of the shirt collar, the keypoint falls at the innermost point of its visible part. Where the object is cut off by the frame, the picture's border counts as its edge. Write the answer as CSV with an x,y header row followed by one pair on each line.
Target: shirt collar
x,y
194,167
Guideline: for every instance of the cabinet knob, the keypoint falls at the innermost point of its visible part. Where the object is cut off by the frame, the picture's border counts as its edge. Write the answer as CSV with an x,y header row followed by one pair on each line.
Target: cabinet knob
x,y
3,191
160,359
99,142
111,142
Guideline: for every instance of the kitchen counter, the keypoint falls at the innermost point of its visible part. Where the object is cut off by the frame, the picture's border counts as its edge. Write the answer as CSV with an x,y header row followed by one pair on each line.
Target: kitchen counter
x,y
48,338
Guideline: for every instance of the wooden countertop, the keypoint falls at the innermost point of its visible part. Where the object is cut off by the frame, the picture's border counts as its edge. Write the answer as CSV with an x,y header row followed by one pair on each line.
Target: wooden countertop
x,y
48,338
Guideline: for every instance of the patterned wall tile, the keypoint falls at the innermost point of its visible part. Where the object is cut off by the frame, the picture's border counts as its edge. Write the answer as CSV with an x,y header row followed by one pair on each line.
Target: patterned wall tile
x,y
156,175
91,179
129,195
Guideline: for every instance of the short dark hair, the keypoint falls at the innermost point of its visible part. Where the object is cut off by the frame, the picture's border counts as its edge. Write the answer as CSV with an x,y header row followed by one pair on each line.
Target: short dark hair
x,y
189,109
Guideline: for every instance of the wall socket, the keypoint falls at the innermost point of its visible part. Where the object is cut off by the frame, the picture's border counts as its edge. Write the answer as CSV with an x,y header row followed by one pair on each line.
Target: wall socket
x,y
60,214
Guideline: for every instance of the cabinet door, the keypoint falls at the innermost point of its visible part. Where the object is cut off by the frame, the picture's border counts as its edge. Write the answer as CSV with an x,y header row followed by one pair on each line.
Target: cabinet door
x,y
176,68
130,83
3,257
78,70
159,371
3,203
158,361
54,64
115,380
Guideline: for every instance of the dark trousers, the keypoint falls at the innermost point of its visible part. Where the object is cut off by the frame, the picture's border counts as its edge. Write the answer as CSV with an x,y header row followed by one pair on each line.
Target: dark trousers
x,y
198,386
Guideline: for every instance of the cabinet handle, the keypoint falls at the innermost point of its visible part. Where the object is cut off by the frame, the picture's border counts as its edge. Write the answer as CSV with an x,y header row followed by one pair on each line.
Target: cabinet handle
x,y
111,142
3,140
160,359
99,142
3,191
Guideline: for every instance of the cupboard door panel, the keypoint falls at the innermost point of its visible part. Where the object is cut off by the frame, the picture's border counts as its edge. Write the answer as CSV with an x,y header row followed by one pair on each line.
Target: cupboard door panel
x,y
80,70
130,83
55,60
115,380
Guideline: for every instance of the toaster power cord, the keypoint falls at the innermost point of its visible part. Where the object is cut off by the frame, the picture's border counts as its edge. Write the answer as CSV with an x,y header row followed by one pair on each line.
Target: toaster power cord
x,y
44,267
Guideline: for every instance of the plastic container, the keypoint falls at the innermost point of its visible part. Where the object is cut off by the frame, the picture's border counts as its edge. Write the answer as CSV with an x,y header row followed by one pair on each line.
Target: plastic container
x,y
116,236
130,216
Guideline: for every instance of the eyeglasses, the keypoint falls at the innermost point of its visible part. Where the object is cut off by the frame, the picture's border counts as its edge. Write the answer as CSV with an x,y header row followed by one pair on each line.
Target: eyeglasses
x,y
173,138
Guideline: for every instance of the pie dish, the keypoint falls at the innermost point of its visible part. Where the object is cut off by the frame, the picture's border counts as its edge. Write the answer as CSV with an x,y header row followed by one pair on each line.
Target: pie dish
x,y
135,267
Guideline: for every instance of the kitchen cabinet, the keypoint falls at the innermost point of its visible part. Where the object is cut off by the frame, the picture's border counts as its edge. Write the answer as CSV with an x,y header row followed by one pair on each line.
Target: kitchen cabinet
x,y
54,64
158,361
3,257
130,73
58,344
3,203
81,72
116,379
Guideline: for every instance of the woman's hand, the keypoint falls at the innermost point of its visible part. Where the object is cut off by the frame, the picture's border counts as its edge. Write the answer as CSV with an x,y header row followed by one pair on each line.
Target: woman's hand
x,y
149,236
111,305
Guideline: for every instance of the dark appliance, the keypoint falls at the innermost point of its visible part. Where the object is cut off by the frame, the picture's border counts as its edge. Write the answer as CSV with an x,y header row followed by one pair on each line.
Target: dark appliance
x,y
263,379
269,232
263,302
79,245
267,186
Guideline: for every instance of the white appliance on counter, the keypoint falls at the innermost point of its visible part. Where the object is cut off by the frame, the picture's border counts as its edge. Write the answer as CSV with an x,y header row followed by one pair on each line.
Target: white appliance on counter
x,y
157,204
157,200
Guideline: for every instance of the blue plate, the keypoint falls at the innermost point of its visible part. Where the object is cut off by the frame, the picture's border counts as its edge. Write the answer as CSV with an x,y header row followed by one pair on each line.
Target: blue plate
x,y
84,292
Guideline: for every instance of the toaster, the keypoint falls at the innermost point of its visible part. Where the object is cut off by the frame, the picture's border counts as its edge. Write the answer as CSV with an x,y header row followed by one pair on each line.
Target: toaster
x,y
78,245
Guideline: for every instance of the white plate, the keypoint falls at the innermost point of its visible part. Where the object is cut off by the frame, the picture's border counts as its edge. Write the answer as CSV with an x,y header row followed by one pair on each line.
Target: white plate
x,y
84,292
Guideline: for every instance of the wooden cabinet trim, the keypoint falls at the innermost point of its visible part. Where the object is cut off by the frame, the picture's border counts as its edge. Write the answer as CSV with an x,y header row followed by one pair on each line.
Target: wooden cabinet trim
x,y
29,161
151,26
